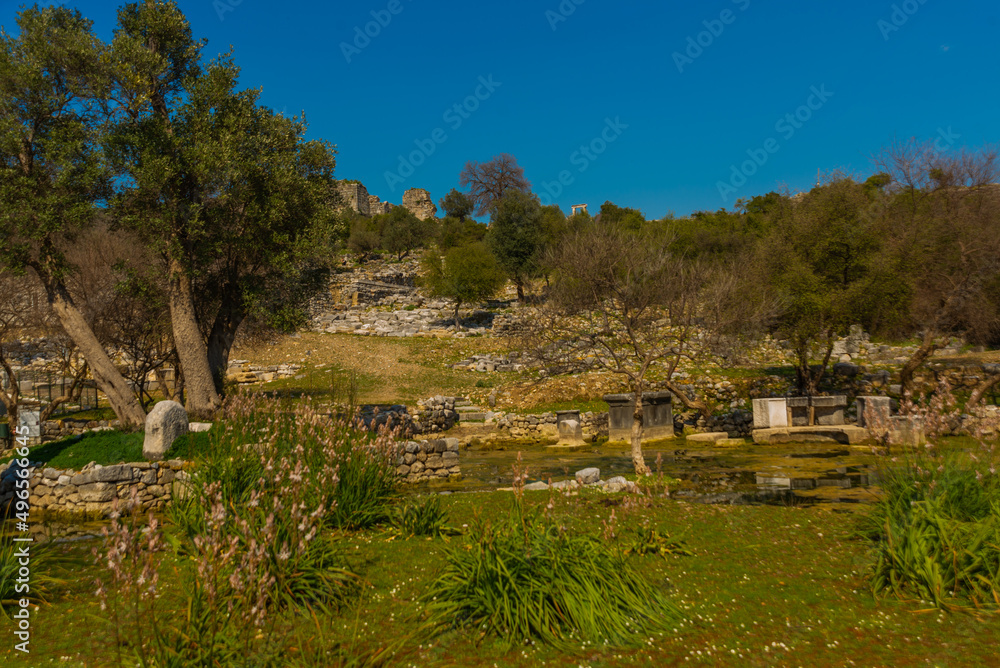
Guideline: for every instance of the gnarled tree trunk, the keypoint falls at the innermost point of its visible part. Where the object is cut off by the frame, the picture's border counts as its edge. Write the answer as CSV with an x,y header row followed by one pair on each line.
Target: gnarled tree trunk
x,y
108,378
927,348
202,398
637,422
221,338
10,397
981,389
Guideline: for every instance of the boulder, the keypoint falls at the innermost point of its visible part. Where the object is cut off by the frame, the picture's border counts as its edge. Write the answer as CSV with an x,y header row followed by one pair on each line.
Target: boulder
x,y
165,422
588,476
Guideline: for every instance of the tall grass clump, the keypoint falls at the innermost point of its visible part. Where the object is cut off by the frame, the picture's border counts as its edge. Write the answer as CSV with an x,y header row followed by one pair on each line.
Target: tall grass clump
x,y
526,578
351,473
41,580
936,525
532,580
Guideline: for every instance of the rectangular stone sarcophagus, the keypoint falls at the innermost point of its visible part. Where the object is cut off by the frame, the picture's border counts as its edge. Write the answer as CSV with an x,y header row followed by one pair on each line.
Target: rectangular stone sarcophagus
x,y
657,416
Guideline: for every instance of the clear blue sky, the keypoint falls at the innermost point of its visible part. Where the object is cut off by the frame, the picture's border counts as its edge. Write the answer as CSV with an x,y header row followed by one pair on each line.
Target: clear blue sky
x,y
883,70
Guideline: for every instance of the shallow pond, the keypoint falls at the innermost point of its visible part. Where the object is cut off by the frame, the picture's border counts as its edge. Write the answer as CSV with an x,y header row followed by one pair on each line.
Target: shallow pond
x,y
787,473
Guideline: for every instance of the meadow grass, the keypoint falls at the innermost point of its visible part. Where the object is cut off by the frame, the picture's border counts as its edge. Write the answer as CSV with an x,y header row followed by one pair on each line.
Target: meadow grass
x,y
766,586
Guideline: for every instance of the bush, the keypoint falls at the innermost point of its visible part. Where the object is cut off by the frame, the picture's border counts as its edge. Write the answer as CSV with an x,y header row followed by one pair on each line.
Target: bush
x,y
526,578
936,529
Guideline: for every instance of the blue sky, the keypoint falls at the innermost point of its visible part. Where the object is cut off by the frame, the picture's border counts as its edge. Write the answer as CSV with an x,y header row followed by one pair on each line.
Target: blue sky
x,y
659,106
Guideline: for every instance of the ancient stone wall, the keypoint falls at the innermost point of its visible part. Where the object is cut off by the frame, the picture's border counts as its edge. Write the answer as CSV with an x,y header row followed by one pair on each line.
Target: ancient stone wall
x,y
544,425
418,202
355,195
422,461
92,490
376,207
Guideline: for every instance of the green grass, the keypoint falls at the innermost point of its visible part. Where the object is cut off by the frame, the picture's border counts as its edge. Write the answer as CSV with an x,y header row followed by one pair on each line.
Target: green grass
x,y
102,447
106,448
767,586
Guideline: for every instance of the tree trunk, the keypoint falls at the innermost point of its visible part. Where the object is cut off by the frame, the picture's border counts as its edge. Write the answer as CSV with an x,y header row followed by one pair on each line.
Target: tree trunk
x,y
807,381
980,391
520,290
220,340
202,399
110,381
67,396
689,403
926,349
11,398
637,421
458,325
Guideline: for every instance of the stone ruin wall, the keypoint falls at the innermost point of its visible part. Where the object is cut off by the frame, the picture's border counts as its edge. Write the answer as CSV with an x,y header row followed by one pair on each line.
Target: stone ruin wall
x,y
416,200
356,196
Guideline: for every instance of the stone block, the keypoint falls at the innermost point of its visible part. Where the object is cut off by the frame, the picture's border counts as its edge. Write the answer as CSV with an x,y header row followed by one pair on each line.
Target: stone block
x,y
873,411
709,437
828,411
165,422
97,492
770,413
451,444
588,476
907,430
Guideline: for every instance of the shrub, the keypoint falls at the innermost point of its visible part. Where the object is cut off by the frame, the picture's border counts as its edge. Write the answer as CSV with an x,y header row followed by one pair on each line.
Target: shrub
x,y
526,578
936,529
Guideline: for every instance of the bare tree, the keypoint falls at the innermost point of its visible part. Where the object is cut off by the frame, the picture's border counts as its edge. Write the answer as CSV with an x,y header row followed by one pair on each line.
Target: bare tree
x,y
625,302
944,234
489,181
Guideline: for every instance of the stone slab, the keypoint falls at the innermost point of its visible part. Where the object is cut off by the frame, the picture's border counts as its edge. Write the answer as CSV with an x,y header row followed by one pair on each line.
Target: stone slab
x,y
708,437
846,434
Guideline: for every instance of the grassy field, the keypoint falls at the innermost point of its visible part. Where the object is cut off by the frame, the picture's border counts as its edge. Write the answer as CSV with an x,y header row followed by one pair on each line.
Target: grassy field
x,y
765,586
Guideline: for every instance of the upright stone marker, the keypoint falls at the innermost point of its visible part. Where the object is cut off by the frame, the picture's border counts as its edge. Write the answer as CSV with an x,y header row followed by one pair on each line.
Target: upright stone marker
x,y
570,427
165,422
657,416
770,413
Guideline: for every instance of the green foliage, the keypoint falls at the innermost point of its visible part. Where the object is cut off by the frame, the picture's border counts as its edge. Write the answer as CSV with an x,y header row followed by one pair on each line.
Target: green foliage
x,y
649,540
102,447
41,581
365,238
526,578
457,204
402,232
936,529
467,274
420,518
622,217
457,232
515,235
51,171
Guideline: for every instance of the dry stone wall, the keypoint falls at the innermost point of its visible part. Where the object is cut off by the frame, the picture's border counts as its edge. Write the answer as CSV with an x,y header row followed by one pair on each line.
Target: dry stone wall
x,y
92,490
424,461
